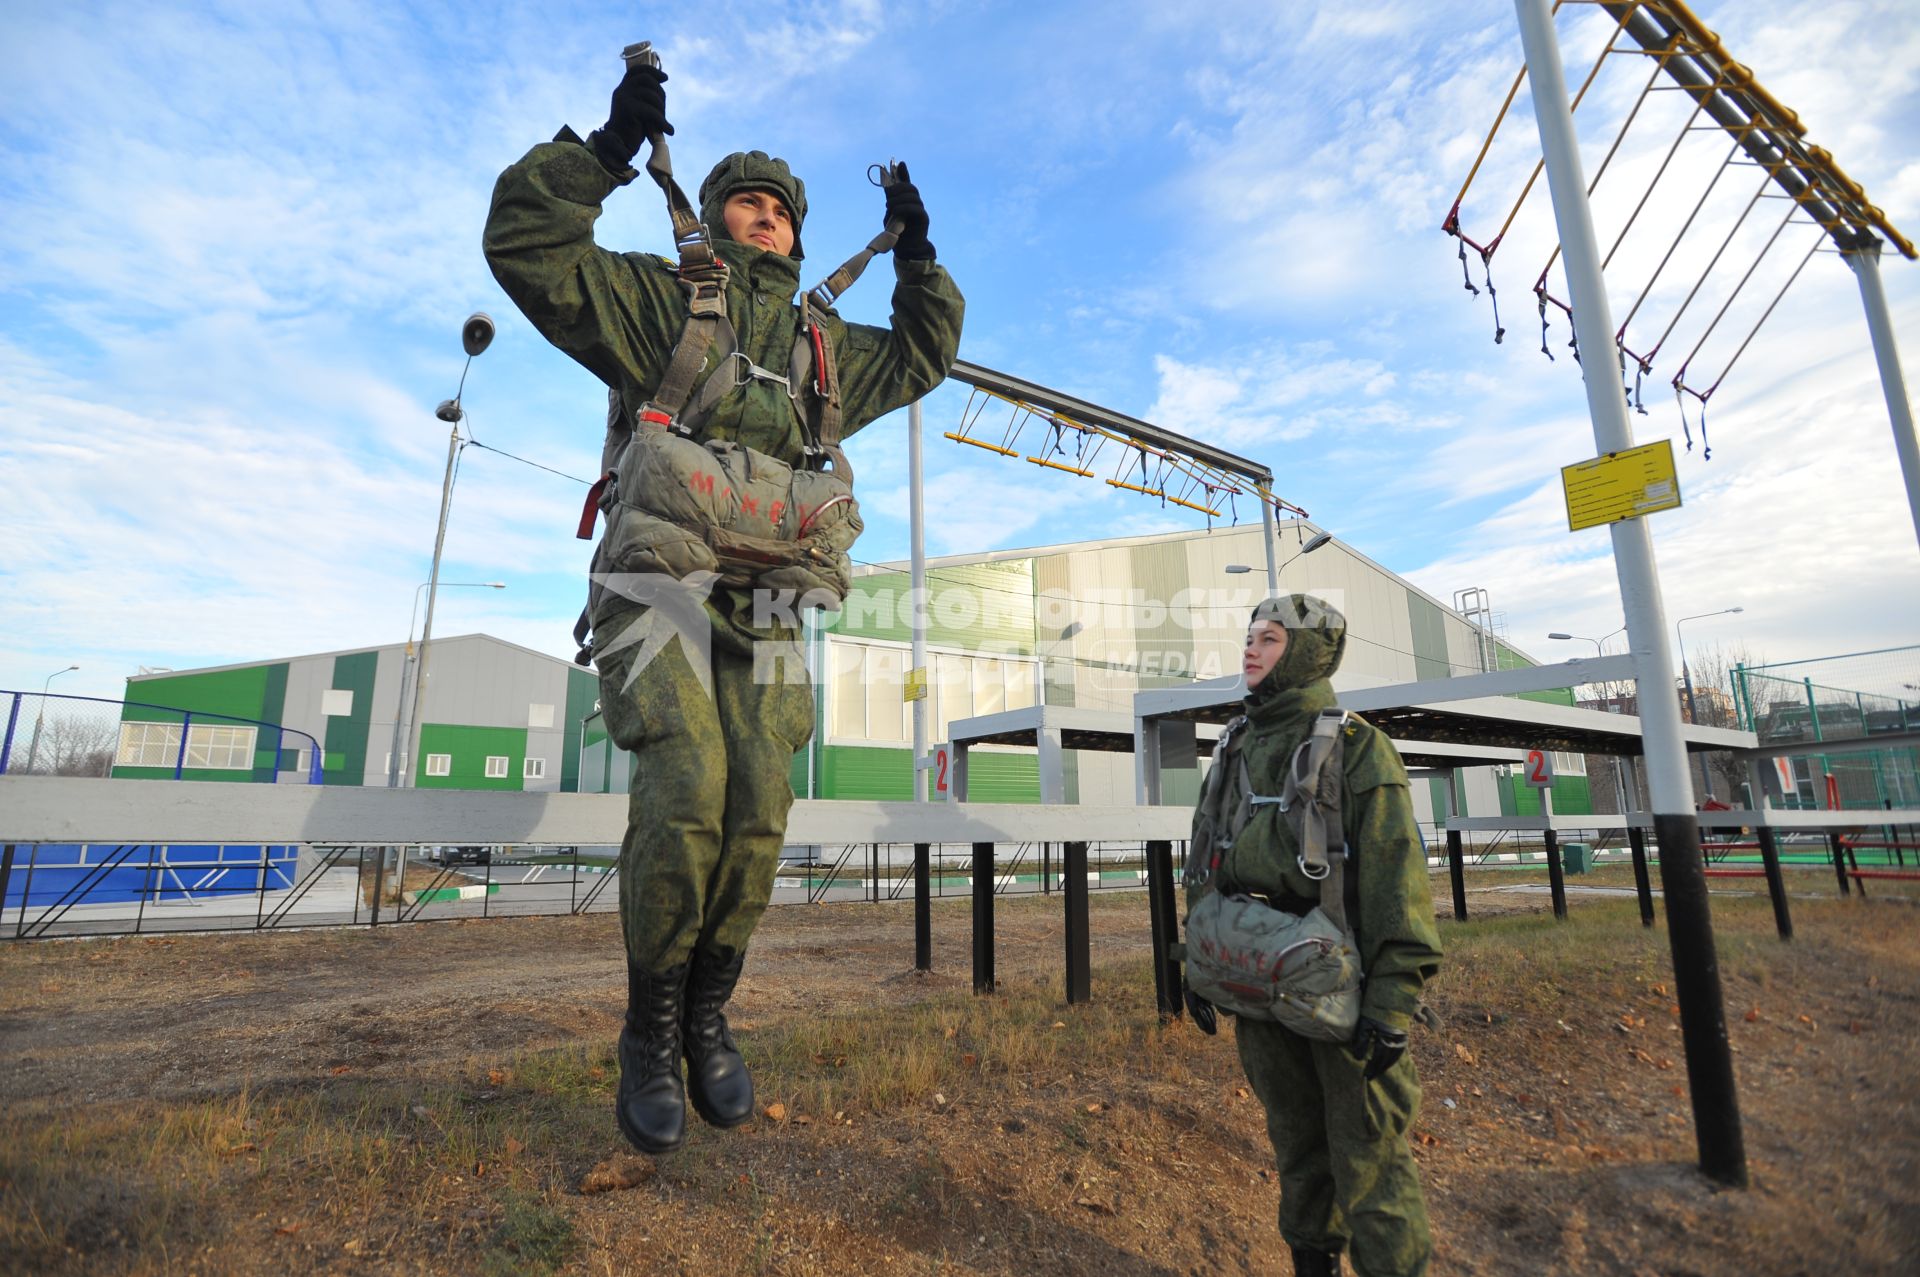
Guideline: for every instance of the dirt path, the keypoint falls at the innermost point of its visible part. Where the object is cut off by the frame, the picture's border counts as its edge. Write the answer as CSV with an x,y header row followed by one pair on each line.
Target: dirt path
x,y
1556,1134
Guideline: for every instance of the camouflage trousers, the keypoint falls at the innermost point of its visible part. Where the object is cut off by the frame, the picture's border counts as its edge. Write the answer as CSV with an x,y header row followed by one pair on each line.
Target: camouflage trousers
x,y
707,814
1347,1178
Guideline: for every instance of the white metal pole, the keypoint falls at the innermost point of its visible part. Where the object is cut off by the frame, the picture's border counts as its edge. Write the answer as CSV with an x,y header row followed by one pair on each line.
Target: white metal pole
x,y
433,583
1689,921
1272,534
917,580
1893,383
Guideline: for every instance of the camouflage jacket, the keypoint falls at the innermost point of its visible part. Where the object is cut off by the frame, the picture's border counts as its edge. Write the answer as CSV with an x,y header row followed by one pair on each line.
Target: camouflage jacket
x,y
620,314
1399,940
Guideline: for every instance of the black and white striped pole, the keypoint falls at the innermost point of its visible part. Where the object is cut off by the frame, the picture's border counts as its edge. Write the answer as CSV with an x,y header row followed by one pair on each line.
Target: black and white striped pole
x,y
1703,1020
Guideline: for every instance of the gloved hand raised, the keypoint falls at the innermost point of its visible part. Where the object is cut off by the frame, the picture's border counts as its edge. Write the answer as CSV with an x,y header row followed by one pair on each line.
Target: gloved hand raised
x,y
905,206
1377,1045
1205,1018
638,111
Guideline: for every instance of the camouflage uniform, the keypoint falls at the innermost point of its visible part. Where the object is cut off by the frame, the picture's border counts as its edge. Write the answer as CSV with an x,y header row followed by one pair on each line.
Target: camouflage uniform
x,y
1347,1177
711,787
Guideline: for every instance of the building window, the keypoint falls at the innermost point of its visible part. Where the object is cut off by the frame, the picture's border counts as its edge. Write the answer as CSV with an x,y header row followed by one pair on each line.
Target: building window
x,y
208,747
386,767
148,744
337,703
497,766
540,716
534,769
439,764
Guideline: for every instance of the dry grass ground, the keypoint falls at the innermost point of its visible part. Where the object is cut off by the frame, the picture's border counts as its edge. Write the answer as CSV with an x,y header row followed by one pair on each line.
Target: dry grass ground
x,y
435,1099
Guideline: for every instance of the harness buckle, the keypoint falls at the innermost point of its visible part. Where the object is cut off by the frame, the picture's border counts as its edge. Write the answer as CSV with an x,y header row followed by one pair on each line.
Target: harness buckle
x,y
754,372
1307,869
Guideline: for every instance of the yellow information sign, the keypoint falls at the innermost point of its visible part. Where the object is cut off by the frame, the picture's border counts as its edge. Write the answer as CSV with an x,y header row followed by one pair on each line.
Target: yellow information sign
x,y
915,688
1621,485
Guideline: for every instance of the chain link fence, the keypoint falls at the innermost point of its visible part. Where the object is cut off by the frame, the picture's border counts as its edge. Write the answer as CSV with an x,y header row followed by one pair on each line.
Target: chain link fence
x,y
54,735
1831,699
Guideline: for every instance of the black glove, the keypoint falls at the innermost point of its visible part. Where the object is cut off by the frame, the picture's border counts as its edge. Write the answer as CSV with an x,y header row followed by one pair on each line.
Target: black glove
x,y
1205,1018
1377,1045
904,206
638,112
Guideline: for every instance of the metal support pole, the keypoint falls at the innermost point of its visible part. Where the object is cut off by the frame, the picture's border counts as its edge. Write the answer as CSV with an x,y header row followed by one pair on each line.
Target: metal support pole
x,y
1776,882
1166,928
1642,884
1269,534
917,581
983,917
1079,931
1893,383
1457,870
922,907
6,881
414,725
1839,862
1716,1106
1556,872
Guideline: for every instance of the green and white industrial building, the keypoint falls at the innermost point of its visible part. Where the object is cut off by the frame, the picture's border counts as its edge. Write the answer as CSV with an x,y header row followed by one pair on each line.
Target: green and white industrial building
x,y
1088,625
496,716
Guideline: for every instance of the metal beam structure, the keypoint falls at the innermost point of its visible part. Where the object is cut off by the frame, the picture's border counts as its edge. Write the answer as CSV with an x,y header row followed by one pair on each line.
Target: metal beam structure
x,y
1010,387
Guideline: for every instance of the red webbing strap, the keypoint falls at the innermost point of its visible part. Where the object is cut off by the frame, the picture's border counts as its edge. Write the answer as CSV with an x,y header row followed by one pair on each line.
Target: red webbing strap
x,y
591,510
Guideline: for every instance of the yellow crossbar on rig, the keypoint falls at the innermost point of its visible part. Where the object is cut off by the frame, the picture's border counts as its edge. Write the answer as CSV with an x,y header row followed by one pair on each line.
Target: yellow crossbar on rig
x,y
1191,506
1134,487
1055,465
990,447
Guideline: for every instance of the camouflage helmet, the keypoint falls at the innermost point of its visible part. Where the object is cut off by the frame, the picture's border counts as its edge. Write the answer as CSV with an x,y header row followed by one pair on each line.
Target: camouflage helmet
x,y
752,171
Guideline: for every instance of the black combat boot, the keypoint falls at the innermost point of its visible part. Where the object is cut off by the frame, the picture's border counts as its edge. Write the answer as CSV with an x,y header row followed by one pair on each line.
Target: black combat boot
x,y
717,1079
652,1103
1315,1263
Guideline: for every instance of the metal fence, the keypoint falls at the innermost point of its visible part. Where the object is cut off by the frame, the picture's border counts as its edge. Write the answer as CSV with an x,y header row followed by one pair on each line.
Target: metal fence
x,y
51,889
54,735
1838,698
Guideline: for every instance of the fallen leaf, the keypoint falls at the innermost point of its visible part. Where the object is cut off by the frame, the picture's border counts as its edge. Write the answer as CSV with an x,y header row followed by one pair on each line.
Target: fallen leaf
x,y
969,1059
1240,1091
288,1230
338,1069
248,1147
1095,1205
801,1119
776,1112
952,1032
1660,989
939,1100
1466,1056
1097,1106
1753,1015
1059,1024
616,1174
514,1147
496,1077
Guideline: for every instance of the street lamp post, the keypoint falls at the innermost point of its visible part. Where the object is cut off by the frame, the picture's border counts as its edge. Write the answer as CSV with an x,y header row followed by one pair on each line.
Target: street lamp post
x,y
475,336
1686,678
399,709
33,749
1314,542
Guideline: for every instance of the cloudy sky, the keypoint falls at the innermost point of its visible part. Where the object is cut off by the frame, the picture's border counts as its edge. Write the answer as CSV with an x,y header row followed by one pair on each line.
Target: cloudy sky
x,y
237,242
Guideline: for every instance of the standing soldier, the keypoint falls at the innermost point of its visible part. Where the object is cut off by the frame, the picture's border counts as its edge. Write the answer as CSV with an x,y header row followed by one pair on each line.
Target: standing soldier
x,y
1322,1037
712,732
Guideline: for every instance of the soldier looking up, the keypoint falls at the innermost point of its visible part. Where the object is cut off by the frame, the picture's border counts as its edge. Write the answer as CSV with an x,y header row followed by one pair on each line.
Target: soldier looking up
x,y
712,729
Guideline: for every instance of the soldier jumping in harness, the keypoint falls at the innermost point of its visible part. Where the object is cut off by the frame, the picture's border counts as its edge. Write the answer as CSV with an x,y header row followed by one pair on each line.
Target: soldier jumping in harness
x,y
1309,918
720,386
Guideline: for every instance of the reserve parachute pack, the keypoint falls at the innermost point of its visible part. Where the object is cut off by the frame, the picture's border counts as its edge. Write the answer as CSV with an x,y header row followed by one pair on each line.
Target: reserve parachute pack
x,y
677,505
1242,954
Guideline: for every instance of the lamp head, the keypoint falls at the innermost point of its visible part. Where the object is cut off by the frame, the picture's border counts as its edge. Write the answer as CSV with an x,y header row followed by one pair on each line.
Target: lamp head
x,y
1314,542
477,333
449,411
1558,635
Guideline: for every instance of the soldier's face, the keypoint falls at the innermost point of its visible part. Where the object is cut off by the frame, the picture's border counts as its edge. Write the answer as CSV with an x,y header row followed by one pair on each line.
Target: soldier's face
x,y
1266,644
760,219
